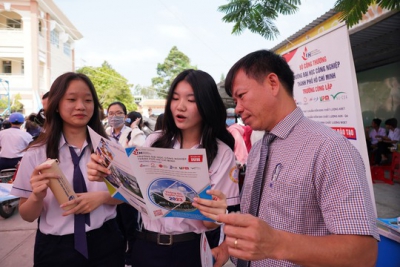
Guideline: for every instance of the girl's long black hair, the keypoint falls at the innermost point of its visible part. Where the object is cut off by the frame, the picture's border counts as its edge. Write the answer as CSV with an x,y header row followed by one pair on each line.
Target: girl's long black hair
x,y
211,109
53,125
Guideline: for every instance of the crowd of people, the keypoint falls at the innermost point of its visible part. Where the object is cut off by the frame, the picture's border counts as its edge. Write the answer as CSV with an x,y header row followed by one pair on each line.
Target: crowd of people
x,y
381,142
304,200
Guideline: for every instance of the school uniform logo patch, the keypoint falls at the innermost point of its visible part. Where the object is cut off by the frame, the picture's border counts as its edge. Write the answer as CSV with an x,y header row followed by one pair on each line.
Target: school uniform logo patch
x,y
234,174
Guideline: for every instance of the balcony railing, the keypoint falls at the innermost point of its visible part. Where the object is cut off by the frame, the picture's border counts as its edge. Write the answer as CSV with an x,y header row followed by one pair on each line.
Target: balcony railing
x,y
14,81
11,38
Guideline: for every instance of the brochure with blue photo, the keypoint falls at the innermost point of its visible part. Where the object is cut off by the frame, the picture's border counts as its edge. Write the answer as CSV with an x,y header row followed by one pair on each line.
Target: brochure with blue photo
x,y
157,182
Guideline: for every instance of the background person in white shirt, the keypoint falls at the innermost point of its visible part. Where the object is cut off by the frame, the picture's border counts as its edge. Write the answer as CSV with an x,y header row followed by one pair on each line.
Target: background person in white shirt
x,y
13,141
373,132
382,155
128,135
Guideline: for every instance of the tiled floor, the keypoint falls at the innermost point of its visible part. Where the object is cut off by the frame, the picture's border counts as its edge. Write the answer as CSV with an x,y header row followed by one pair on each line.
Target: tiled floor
x,y
387,199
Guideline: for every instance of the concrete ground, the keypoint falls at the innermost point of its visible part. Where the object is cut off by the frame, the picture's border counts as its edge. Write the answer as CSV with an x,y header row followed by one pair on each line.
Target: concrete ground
x,y
17,237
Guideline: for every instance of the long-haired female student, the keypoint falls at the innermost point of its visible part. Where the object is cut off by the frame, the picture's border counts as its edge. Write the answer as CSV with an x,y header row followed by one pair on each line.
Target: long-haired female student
x,y
194,117
86,235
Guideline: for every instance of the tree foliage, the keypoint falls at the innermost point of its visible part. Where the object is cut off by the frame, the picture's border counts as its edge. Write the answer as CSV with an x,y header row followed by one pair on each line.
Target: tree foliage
x,y
174,63
110,85
16,105
258,15
352,11
3,103
148,92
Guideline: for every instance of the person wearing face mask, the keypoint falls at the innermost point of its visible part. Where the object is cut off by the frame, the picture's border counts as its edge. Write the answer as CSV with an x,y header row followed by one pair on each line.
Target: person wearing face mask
x,y
116,112
125,129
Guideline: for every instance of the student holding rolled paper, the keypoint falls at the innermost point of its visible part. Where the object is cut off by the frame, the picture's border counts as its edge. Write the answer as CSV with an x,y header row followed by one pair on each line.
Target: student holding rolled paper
x,y
82,231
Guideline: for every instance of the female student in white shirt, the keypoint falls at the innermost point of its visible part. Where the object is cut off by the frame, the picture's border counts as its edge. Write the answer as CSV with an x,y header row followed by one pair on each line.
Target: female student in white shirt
x,y
73,104
128,134
194,117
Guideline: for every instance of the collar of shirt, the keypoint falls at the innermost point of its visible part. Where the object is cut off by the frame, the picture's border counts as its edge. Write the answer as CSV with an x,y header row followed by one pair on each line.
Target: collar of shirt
x,y
63,142
117,136
177,145
285,126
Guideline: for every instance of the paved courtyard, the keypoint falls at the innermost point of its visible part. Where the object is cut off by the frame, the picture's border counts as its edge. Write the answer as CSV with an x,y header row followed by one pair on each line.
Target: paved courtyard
x,y
17,236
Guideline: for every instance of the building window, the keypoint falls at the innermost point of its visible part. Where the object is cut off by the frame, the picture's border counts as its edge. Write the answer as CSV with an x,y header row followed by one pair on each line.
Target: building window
x,y
14,23
67,48
40,26
54,38
7,66
22,67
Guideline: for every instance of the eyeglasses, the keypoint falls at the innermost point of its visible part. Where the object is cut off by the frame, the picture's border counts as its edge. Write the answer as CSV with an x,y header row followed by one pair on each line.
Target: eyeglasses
x,y
118,114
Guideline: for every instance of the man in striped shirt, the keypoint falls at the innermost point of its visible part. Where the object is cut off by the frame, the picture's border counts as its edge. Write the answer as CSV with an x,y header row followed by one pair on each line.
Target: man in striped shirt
x,y
315,208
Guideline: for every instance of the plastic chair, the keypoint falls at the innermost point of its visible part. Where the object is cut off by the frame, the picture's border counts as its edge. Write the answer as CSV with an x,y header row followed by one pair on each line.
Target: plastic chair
x,y
378,172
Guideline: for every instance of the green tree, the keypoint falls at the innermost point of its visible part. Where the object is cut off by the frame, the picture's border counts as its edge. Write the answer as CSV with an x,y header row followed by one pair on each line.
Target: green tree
x,y
3,103
174,63
148,92
16,105
353,10
258,15
110,85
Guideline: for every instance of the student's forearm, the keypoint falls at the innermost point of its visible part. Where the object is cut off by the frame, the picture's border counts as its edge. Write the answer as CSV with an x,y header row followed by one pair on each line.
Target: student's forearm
x,y
108,199
30,208
210,225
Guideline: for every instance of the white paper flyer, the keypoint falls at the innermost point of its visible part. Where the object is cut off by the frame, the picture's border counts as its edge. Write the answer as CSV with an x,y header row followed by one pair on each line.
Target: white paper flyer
x,y
156,181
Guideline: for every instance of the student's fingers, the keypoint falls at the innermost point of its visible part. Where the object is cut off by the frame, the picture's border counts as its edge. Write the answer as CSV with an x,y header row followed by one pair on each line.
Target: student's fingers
x,y
135,123
220,255
218,200
217,194
236,219
79,206
96,171
38,169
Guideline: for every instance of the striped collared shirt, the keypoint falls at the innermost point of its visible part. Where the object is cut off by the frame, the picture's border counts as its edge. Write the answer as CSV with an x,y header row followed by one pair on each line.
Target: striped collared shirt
x,y
315,183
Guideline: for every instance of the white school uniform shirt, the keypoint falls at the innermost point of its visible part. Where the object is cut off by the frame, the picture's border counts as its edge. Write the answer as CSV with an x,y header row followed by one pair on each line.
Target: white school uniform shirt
x,y
373,133
13,141
51,219
394,135
137,136
223,176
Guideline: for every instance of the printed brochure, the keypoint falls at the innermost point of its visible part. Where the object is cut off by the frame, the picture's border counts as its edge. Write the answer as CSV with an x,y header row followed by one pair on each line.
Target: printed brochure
x,y
156,181
390,228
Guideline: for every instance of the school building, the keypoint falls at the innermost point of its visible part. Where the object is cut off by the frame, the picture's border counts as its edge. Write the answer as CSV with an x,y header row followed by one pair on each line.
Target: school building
x,y
37,45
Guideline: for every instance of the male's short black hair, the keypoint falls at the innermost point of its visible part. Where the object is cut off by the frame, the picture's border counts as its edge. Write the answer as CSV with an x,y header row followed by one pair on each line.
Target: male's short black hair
x,y
392,122
377,121
258,65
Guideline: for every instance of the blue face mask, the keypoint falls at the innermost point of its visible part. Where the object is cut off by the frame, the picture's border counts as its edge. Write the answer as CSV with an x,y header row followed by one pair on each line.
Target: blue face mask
x,y
116,122
229,121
